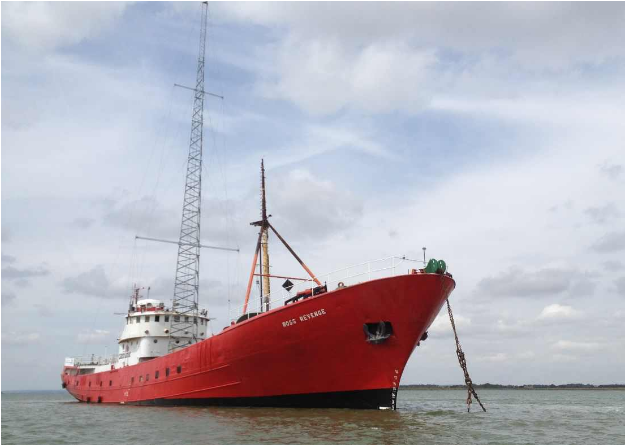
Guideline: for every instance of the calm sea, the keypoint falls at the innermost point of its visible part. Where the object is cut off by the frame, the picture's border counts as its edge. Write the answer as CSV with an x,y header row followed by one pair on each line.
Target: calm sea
x,y
424,417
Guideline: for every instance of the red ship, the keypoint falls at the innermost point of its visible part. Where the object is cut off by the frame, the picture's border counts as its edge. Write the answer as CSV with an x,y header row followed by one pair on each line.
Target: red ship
x,y
342,341
328,350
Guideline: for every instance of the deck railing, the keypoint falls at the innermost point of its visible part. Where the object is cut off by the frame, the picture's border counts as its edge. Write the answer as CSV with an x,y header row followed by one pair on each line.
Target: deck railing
x,y
93,360
347,276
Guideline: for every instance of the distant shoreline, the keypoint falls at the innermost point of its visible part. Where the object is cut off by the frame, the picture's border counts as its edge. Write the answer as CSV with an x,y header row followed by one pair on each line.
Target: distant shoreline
x,y
518,387
424,386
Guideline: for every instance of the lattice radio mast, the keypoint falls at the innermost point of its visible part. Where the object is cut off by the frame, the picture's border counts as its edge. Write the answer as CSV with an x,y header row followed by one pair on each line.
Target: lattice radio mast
x,y
186,287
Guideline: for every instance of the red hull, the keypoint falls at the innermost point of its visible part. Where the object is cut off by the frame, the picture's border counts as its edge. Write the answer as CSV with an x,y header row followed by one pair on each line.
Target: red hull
x,y
310,353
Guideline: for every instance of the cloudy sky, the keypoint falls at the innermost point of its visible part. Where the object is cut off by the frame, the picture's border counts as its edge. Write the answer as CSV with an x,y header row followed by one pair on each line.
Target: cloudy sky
x,y
492,134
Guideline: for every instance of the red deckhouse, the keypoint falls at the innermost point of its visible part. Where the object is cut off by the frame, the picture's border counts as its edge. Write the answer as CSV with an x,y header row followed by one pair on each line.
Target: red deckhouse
x,y
338,340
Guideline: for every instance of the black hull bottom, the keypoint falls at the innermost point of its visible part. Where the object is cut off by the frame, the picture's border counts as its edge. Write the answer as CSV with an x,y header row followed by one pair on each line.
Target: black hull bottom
x,y
366,399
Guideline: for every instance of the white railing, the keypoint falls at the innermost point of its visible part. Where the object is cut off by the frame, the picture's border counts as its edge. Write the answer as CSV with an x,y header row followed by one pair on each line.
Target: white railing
x,y
93,360
347,276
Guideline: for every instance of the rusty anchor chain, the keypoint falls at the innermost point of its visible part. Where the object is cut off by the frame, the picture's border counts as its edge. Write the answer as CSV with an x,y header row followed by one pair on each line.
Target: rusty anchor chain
x,y
463,364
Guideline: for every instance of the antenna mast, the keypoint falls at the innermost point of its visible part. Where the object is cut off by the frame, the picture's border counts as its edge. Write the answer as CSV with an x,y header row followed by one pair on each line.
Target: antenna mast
x,y
186,287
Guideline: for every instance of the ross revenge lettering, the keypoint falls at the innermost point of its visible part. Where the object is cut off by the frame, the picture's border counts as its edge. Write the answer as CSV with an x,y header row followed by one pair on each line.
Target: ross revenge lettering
x,y
288,323
304,317
312,315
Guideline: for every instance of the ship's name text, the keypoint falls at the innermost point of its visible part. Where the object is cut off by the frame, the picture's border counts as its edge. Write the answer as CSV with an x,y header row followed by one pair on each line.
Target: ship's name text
x,y
304,317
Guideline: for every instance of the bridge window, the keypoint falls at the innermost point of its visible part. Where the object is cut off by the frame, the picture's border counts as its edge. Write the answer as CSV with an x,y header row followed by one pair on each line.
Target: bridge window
x,y
138,319
156,374
166,318
140,378
194,320
157,318
186,319
179,369
176,317
147,318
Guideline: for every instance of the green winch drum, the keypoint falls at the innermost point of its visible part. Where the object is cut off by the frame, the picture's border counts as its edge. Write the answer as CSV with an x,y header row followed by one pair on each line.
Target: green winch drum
x,y
442,266
432,266
436,266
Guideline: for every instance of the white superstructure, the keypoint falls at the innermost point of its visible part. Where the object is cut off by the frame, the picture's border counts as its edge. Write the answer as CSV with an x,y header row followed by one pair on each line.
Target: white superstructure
x,y
146,335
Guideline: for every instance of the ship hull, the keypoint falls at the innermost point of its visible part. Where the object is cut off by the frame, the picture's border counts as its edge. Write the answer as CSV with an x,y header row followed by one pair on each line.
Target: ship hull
x,y
312,353
366,399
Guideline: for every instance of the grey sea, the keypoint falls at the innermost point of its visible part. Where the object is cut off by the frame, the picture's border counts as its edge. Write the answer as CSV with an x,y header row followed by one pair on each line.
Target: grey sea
x,y
423,417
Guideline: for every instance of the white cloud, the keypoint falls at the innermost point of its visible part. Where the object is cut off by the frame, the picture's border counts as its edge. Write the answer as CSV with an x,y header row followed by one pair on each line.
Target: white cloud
x,y
567,345
515,328
96,283
610,242
374,58
498,357
603,214
47,25
546,108
8,259
564,358
442,325
14,273
20,338
556,311
97,336
334,138
526,355
145,216
8,297
612,171
312,207
518,282
613,265
322,77
620,286
539,35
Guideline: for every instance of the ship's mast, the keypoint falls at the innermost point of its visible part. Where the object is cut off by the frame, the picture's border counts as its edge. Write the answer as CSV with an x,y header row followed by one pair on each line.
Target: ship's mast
x,y
261,244
186,288
262,247
264,240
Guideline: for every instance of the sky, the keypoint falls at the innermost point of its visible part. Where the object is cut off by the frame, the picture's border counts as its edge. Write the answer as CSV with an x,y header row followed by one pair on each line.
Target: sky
x,y
492,134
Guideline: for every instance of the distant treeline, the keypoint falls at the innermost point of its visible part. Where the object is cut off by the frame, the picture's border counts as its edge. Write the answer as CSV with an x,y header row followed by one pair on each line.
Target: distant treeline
x,y
497,386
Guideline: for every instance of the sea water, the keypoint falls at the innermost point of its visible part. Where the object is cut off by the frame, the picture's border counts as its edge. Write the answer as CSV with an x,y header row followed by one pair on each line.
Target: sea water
x,y
423,417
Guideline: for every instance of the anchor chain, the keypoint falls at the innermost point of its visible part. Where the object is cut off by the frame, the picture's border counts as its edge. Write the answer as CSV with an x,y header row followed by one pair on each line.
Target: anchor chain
x,y
463,364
